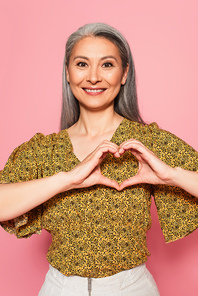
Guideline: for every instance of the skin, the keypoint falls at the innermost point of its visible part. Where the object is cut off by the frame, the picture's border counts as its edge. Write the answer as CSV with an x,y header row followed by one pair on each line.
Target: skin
x,y
154,171
95,64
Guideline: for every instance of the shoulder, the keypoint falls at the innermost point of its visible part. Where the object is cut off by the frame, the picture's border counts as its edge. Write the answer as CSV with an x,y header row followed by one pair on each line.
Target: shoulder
x,y
152,135
150,132
139,131
39,144
39,139
138,126
28,160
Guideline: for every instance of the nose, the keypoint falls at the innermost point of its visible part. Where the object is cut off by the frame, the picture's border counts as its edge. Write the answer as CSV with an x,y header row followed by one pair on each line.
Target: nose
x,y
93,75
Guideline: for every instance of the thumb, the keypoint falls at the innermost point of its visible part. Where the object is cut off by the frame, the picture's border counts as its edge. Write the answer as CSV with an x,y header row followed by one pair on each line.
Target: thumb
x,y
108,182
131,181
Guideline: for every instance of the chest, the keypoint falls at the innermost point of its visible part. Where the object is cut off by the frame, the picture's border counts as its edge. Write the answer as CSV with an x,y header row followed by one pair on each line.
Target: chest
x,y
83,145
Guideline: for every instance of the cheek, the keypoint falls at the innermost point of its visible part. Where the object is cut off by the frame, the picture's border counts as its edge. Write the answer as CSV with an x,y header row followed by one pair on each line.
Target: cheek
x,y
115,78
75,77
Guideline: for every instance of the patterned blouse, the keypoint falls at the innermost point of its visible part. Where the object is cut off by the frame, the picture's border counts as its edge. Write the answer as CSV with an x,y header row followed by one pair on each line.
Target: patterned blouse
x,y
98,231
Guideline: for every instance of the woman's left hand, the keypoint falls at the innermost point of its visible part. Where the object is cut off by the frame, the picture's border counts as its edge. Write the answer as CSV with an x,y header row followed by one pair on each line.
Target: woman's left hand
x,y
152,170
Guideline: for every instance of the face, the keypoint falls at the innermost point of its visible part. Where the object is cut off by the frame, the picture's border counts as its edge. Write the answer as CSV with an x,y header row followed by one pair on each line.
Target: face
x,y
95,73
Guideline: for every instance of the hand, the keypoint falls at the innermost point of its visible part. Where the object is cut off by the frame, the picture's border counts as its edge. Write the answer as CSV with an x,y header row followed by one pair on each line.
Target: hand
x,y
152,170
88,172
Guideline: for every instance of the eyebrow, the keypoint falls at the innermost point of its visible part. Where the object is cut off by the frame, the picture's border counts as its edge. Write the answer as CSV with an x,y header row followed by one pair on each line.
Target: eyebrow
x,y
103,58
109,57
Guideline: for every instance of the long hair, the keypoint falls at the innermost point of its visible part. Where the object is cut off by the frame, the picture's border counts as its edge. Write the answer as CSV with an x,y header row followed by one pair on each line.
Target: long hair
x,y
125,103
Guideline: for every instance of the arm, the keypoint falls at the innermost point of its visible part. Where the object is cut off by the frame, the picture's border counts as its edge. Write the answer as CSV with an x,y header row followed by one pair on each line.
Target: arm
x,y
18,198
186,180
154,171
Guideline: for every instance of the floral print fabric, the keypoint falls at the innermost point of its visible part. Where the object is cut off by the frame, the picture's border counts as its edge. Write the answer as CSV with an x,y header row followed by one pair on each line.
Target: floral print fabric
x,y
99,231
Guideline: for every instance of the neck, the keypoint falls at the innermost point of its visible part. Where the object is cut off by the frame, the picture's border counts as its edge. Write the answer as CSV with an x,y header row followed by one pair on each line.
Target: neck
x,y
97,123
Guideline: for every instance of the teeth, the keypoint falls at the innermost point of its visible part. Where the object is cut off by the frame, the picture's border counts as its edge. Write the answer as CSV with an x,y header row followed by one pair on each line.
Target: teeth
x,y
93,90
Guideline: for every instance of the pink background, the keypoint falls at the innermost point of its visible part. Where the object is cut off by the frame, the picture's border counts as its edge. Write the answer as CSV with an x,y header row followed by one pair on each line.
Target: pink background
x,y
163,38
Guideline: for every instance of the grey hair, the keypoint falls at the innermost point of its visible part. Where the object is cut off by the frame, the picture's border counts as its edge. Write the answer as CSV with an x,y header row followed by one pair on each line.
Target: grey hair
x,y
125,103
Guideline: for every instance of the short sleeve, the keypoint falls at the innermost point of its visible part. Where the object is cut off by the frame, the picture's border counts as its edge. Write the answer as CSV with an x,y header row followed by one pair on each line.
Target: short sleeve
x,y
177,209
23,165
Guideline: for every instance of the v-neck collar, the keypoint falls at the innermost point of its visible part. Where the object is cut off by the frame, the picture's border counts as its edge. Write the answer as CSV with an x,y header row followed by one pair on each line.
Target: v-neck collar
x,y
111,140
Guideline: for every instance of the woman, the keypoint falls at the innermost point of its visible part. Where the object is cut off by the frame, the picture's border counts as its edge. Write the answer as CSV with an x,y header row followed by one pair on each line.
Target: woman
x,y
90,185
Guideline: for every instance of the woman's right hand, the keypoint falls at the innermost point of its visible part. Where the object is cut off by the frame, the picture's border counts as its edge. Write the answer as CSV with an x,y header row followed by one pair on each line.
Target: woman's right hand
x,y
88,172
18,198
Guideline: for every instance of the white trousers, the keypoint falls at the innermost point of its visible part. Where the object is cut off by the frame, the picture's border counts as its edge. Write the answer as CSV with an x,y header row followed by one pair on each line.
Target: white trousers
x,y
133,282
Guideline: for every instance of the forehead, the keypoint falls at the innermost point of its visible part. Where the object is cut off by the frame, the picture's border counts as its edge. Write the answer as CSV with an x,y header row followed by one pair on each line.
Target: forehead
x,y
95,46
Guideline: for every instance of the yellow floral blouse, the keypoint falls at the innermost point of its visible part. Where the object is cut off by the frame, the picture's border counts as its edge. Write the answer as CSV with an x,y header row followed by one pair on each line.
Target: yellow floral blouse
x,y
99,231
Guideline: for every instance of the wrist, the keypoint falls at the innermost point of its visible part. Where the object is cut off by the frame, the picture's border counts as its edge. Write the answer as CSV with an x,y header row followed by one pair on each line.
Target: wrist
x,y
177,177
63,181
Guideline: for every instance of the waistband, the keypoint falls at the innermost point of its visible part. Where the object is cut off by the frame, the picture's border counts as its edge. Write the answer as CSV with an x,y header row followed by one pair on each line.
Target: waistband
x,y
105,284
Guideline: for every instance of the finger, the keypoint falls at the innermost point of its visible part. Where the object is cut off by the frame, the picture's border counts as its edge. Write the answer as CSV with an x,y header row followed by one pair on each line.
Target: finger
x,y
129,182
138,155
92,161
107,143
131,140
131,144
108,182
140,151
103,150
127,145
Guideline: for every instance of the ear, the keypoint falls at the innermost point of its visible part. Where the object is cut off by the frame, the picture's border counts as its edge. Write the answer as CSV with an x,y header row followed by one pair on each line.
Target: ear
x,y
125,73
67,73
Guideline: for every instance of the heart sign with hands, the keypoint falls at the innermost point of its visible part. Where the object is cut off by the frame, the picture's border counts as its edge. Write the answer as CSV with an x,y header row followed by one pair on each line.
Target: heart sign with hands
x,y
151,169
88,172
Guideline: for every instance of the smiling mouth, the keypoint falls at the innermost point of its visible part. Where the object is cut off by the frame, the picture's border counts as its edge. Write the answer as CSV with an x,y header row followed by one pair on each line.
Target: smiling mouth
x,y
94,91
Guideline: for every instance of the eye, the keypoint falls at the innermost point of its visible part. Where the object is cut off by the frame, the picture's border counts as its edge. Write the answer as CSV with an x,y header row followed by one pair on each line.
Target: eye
x,y
82,64
107,65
